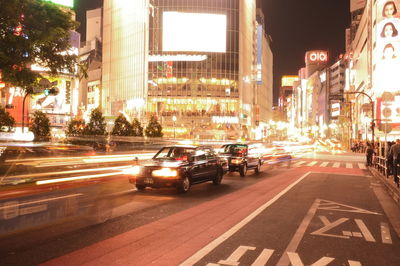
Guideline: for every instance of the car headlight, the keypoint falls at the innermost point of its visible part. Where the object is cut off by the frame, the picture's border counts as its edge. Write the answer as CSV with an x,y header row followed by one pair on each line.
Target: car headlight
x,y
165,172
135,170
236,161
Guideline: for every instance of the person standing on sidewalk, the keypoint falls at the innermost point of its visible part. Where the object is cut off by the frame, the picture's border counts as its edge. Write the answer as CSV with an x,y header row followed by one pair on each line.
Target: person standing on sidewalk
x,y
395,153
369,153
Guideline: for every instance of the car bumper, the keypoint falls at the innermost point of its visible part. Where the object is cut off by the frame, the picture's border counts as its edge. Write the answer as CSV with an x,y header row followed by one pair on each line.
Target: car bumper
x,y
154,182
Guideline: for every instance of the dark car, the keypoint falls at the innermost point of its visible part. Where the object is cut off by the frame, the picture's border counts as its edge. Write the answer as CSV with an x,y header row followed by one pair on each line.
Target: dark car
x,y
178,166
241,157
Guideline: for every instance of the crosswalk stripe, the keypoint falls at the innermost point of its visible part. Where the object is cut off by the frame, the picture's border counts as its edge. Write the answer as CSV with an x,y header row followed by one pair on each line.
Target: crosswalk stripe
x,y
312,163
324,164
349,165
299,163
336,165
362,166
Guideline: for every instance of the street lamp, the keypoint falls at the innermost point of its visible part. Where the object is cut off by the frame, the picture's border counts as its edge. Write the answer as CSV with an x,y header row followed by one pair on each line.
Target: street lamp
x,y
174,120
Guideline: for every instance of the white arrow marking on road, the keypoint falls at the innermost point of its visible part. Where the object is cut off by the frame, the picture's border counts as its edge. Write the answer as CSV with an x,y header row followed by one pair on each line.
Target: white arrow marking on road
x,y
354,263
324,164
329,226
362,166
334,206
336,165
364,230
296,261
234,258
263,258
385,232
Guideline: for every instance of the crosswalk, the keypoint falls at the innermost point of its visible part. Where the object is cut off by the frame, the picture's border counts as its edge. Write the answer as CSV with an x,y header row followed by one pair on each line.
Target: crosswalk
x,y
346,165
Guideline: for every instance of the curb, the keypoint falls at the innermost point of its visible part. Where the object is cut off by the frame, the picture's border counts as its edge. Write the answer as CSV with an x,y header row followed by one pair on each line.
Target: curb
x,y
391,188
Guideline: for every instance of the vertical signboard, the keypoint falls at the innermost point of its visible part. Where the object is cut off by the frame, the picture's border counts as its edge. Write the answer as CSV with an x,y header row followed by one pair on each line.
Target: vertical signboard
x,y
387,56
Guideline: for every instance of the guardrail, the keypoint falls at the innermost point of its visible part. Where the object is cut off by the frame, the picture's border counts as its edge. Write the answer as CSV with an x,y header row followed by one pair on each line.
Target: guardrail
x,y
381,164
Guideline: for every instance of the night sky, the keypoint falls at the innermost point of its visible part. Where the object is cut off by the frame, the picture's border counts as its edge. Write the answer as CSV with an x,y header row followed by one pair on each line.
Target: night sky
x,y
295,26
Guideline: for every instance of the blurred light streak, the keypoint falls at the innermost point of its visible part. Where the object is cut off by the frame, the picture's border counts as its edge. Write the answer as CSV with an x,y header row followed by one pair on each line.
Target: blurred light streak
x,y
71,172
41,201
67,179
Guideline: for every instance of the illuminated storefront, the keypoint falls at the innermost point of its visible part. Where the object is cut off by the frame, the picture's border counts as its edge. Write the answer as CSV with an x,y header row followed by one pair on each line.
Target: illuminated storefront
x,y
200,68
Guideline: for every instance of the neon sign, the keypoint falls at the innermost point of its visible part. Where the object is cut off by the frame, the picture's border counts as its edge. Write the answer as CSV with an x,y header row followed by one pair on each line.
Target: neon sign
x,y
318,56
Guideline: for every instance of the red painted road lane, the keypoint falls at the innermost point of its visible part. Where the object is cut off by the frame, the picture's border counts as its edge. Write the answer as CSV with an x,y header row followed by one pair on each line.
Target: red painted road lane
x,y
171,240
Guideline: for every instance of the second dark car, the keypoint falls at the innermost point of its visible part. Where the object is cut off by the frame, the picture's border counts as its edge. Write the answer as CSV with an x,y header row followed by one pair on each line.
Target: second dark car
x,y
180,167
240,158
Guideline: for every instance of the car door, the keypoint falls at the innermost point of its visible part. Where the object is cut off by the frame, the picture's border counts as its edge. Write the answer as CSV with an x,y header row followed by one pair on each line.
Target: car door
x,y
252,157
199,168
212,164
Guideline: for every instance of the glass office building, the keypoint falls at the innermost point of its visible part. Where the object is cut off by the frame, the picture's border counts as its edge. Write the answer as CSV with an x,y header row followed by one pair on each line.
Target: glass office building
x,y
201,66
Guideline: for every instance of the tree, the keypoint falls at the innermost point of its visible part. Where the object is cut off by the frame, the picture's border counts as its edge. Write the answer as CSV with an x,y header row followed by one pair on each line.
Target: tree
x,y
97,124
122,127
34,32
153,129
7,122
76,127
137,128
40,125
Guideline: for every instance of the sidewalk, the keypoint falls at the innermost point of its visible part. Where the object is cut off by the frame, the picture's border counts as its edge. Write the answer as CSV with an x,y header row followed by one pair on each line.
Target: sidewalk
x,y
389,184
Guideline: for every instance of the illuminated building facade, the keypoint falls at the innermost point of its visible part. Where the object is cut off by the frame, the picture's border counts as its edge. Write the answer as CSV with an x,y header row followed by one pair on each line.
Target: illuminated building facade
x,y
124,67
202,67
373,70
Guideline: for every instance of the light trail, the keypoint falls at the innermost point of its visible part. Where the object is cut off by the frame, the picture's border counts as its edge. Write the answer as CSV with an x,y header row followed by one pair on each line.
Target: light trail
x,y
67,179
71,172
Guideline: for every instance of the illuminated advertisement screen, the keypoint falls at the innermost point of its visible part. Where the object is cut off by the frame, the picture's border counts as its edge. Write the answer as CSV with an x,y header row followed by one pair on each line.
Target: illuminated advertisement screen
x,y
194,32
387,50
68,3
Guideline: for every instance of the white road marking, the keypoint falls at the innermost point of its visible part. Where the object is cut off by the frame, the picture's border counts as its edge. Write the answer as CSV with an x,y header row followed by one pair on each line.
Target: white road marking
x,y
296,261
385,232
334,206
312,163
364,230
347,233
298,164
211,246
354,263
321,231
324,164
362,166
263,258
349,165
336,165
294,243
233,259
357,234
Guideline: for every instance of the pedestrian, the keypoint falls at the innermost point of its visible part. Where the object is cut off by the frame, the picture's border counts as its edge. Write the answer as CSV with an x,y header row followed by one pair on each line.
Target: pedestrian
x,y
369,153
395,153
389,158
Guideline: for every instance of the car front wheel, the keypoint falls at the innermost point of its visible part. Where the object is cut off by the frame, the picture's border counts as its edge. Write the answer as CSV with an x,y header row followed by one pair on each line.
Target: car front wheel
x,y
258,168
140,187
184,185
243,170
218,178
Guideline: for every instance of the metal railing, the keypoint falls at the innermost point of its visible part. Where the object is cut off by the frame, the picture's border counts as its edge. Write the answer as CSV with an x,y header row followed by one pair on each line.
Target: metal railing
x,y
381,164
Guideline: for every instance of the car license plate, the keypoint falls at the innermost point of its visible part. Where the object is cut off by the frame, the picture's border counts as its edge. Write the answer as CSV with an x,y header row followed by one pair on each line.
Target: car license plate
x,y
149,180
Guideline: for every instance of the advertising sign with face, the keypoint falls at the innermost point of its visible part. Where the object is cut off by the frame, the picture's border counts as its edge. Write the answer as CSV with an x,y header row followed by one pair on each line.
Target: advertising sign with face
x,y
387,50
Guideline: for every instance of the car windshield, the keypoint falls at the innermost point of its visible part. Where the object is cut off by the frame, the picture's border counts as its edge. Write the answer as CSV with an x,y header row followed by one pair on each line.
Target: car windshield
x,y
174,153
234,149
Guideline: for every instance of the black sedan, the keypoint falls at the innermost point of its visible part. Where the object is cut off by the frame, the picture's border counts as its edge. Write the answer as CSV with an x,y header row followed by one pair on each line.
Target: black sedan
x,y
178,166
241,157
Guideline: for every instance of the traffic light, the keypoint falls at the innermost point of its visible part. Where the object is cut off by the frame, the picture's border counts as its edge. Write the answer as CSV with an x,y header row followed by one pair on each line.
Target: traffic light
x,y
372,125
51,91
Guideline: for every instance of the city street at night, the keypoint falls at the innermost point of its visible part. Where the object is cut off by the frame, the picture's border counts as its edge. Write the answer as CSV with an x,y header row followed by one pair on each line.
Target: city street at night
x,y
200,132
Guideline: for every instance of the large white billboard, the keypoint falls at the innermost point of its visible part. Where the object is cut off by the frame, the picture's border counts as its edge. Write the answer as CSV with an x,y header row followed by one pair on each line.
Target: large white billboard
x,y
194,32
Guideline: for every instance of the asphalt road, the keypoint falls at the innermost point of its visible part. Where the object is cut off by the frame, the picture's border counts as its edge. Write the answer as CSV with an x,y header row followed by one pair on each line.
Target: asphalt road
x,y
316,213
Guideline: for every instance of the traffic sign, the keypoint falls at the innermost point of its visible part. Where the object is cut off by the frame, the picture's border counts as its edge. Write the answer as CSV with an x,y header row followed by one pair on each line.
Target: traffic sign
x,y
387,97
